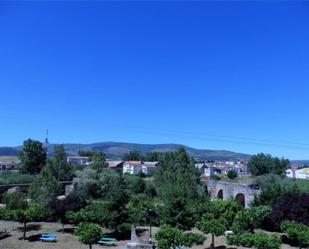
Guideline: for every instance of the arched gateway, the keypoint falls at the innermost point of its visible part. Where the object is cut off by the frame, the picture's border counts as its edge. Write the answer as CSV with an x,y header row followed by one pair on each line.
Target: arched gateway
x,y
240,198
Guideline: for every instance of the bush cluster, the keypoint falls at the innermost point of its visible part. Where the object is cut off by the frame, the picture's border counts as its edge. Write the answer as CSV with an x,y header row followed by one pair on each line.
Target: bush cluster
x,y
256,240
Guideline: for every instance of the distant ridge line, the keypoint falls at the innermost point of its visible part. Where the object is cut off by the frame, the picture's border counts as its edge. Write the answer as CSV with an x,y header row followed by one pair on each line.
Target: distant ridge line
x,y
116,150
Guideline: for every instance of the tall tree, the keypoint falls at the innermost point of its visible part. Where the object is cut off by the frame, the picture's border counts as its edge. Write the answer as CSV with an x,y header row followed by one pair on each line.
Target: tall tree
x,y
58,165
34,212
262,164
178,185
107,192
98,161
44,187
218,216
32,156
62,206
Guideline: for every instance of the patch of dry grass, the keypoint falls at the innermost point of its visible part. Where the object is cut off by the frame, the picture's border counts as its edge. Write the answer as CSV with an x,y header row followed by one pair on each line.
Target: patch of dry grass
x,y
67,240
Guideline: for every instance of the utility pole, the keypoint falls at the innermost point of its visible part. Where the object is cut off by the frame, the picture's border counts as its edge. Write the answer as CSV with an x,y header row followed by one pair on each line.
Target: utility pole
x,y
46,143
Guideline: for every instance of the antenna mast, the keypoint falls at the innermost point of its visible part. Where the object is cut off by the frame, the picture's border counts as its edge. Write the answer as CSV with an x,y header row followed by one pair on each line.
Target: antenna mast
x,y
46,143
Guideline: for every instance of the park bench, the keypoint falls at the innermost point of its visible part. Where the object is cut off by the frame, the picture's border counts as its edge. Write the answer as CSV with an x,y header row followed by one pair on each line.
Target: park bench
x,y
48,237
107,241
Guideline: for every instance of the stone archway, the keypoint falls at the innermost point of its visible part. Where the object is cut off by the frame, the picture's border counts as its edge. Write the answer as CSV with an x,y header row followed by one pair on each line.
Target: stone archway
x,y
240,198
220,194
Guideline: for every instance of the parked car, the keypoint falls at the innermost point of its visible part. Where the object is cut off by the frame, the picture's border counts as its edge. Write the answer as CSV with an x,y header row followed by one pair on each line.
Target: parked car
x,y
254,186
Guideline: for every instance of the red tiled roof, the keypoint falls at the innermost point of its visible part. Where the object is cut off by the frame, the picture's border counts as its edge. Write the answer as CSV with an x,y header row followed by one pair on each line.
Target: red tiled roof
x,y
133,162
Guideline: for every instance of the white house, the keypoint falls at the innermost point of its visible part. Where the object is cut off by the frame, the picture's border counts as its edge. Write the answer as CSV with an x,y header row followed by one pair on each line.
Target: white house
x,y
78,160
132,167
298,173
149,167
209,171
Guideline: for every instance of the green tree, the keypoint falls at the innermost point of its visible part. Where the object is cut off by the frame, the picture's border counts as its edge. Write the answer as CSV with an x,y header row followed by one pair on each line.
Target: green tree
x,y
110,214
262,164
248,219
143,211
98,161
107,185
32,156
217,217
34,212
232,174
87,183
226,209
136,184
82,216
61,206
296,231
178,186
15,200
272,187
44,187
107,193
88,233
58,165
168,237
209,224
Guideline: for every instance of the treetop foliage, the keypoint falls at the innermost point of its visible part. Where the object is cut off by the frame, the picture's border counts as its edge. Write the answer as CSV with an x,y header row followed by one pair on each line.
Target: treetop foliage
x,y
296,231
178,187
88,233
262,164
32,156
44,187
170,238
291,206
255,240
58,165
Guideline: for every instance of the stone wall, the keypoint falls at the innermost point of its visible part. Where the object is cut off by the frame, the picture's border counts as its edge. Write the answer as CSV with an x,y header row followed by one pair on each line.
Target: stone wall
x,y
231,191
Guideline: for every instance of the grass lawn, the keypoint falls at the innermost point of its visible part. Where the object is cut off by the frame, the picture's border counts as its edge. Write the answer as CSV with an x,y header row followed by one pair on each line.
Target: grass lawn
x,y
67,240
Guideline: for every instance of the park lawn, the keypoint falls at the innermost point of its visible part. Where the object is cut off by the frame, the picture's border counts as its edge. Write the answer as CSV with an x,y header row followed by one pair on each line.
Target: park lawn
x,y
68,241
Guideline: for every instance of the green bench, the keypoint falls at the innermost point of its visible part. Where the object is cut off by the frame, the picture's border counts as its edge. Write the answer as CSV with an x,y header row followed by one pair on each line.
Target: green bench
x,y
107,241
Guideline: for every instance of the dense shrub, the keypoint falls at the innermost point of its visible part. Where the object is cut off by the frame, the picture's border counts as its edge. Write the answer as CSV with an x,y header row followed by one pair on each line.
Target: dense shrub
x,y
275,186
248,219
169,237
215,177
258,240
15,200
297,232
244,239
232,174
13,177
266,241
291,206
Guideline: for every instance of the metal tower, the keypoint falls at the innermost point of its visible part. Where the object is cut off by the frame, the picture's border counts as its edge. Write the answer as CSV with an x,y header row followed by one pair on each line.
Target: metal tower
x,y
46,143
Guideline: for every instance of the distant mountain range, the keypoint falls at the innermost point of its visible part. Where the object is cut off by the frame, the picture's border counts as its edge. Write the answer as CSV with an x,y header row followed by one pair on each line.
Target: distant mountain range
x,y
116,150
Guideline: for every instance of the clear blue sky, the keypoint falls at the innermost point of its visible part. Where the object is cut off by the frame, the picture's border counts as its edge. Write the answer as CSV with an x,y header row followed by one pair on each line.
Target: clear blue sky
x,y
217,75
